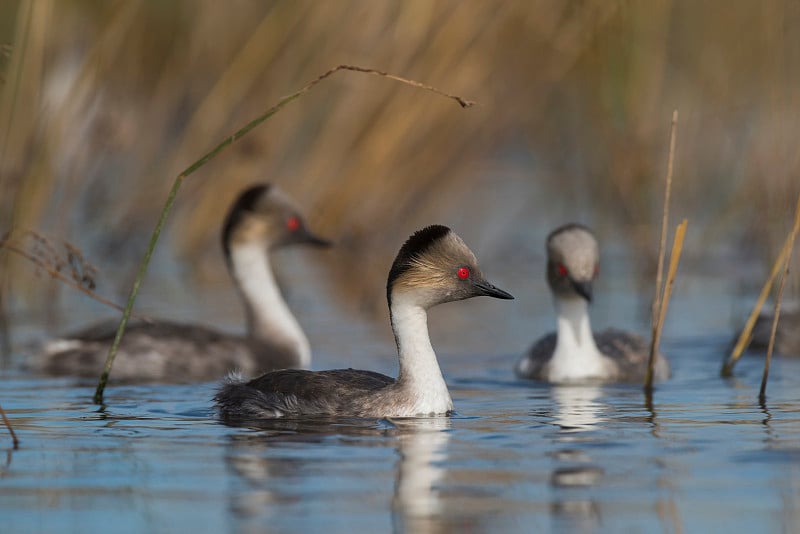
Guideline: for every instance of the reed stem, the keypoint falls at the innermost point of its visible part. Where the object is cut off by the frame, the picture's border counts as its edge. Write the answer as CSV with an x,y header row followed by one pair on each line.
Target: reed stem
x,y
98,395
747,331
648,381
14,439
674,260
101,386
762,395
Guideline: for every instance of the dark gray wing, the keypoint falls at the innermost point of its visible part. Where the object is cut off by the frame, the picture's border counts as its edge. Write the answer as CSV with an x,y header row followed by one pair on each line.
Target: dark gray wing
x,y
106,330
787,337
294,392
630,352
534,363
160,352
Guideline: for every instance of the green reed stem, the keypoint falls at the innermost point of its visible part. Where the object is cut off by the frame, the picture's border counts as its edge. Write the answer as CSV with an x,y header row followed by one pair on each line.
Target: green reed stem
x,y
112,352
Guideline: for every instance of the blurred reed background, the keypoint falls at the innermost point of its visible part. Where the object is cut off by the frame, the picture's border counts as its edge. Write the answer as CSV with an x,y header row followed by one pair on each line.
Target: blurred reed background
x,y
104,102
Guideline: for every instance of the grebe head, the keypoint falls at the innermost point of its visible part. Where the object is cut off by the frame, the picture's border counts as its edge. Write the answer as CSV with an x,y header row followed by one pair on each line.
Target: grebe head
x,y
435,266
263,213
573,258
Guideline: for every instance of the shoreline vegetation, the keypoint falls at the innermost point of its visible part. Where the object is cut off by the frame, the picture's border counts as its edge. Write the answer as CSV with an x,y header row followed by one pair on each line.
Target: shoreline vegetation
x,y
112,352
93,115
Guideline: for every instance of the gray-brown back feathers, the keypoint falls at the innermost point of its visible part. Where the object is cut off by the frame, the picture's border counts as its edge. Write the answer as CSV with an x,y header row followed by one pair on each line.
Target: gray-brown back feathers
x,y
167,351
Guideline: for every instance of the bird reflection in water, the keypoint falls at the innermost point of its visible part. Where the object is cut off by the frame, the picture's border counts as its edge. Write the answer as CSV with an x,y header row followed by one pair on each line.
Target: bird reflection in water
x,y
577,412
273,476
422,447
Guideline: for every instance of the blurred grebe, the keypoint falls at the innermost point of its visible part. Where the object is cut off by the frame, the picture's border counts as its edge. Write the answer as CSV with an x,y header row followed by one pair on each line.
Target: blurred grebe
x,y
787,336
261,220
573,353
433,266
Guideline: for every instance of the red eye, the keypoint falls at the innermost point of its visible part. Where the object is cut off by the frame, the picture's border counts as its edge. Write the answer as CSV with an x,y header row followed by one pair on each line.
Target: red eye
x,y
292,223
562,271
463,273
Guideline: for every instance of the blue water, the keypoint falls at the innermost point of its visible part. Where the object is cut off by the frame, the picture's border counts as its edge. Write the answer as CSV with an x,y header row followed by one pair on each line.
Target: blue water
x,y
518,457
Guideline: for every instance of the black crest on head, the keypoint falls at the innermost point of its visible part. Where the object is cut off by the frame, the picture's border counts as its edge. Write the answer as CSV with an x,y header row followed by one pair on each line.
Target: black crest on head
x,y
246,202
415,246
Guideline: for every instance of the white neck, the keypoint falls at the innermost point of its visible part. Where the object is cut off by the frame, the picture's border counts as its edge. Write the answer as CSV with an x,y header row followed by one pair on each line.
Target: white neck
x,y
268,316
576,356
420,376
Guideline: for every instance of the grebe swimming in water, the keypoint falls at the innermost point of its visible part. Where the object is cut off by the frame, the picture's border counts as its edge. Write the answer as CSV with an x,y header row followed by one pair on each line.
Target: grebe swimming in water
x,y
434,266
787,336
261,220
573,353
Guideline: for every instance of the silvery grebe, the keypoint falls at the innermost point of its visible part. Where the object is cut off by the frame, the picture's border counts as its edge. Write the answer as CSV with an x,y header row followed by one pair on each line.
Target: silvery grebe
x,y
787,335
261,220
434,266
573,353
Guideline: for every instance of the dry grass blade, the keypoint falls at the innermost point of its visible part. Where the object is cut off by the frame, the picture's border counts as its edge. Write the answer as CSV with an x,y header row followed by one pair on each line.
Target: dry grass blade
x,y
662,247
747,331
674,259
98,395
762,396
285,100
45,256
9,427
461,101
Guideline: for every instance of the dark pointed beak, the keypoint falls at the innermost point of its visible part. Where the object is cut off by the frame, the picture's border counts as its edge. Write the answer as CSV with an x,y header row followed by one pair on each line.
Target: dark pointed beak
x,y
305,237
488,290
583,289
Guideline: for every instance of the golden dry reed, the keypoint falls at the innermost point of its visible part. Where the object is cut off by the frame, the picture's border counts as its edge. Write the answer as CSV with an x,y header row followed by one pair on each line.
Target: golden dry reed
x,y
112,352
674,259
762,395
659,308
100,101
747,332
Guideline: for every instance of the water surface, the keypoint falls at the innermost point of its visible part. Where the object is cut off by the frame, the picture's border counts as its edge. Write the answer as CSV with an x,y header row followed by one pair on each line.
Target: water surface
x,y
517,457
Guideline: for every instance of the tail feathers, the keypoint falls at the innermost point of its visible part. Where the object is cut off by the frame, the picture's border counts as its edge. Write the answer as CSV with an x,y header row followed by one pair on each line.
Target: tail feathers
x,y
234,377
236,400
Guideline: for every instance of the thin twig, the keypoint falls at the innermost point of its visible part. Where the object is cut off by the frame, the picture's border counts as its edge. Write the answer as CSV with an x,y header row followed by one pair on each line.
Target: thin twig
x,y
286,99
63,278
98,395
762,395
662,249
462,102
14,439
747,331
